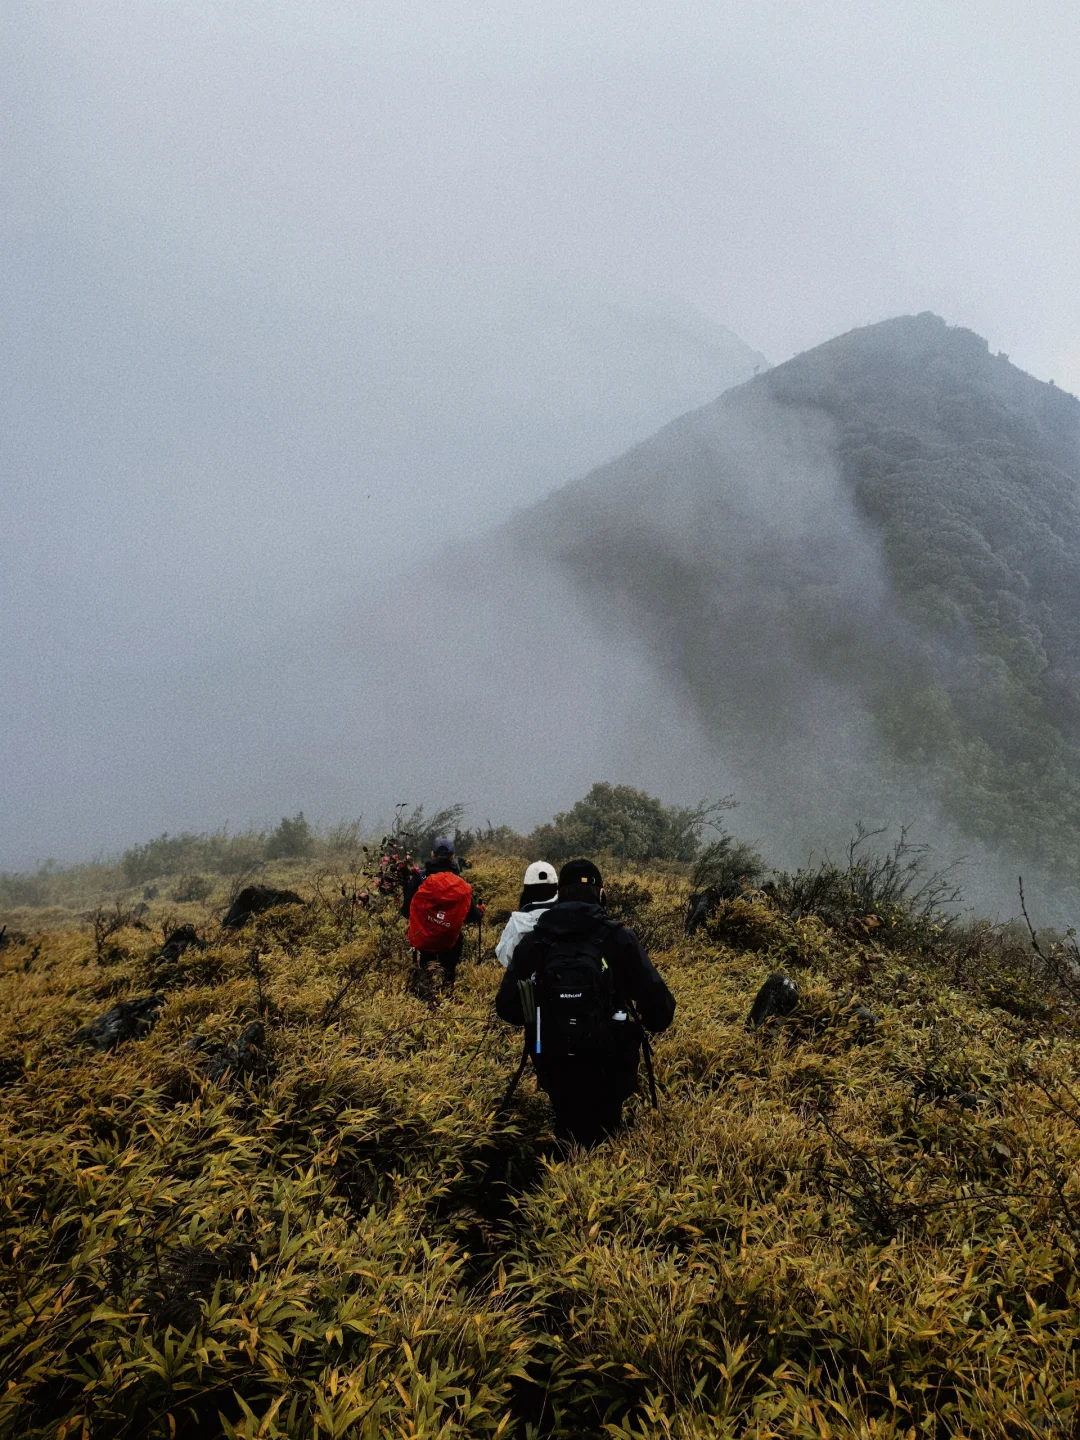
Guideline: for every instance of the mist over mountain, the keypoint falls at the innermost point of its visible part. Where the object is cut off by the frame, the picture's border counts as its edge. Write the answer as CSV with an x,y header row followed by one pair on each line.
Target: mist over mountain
x,y
861,570
845,591
199,471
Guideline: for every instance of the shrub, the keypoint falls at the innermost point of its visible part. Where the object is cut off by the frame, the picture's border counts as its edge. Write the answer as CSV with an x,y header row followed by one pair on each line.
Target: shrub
x,y
193,887
890,893
187,853
105,922
24,889
828,1227
727,866
342,841
418,831
496,839
291,840
626,823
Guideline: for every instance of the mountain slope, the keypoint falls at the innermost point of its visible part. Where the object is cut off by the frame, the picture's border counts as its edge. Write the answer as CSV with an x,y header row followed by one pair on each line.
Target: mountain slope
x,y
862,566
847,1222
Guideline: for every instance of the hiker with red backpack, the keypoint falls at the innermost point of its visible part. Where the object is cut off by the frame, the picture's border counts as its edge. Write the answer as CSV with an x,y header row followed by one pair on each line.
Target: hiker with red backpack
x,y
586,993
438,904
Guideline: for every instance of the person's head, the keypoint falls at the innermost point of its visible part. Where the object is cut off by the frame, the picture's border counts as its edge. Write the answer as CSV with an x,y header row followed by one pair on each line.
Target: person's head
x,y
443,857
581,880
541,883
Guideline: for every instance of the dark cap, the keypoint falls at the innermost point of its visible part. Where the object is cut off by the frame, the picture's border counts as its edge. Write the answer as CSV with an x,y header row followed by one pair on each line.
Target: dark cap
x,y
575,875
443,846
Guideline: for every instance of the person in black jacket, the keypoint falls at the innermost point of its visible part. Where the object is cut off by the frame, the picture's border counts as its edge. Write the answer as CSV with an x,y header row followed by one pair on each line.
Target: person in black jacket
x,y
442,858
587,1094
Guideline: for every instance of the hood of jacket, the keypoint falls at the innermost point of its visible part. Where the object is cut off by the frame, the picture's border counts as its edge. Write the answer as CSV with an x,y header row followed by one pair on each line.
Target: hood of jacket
x,y
532,906
571,917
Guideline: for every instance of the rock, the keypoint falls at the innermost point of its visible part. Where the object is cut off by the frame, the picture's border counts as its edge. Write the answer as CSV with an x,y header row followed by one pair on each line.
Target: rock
x,y
778,996
863,1015
241,1055
966,1099
140,910
126,1020
253,900
698,909
184,937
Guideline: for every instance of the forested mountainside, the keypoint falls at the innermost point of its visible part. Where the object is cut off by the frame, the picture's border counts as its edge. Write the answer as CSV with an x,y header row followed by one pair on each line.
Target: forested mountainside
x,y
863,566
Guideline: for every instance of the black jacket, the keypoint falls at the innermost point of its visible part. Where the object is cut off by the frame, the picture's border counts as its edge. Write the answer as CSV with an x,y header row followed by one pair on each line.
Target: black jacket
x,y
635,976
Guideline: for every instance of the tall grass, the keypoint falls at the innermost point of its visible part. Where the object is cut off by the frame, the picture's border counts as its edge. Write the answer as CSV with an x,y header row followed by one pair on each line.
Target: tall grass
x,y
828,1229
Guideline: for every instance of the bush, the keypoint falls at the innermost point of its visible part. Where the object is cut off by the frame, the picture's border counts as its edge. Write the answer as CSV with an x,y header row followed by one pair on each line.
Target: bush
x,y
193,887
343,841
291,840
496,839
188,853
820,1232
418,831
24,889
626,823
890,894
726,867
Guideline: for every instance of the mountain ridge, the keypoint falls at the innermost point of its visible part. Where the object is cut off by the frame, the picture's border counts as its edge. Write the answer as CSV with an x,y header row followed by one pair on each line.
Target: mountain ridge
x,y
889,525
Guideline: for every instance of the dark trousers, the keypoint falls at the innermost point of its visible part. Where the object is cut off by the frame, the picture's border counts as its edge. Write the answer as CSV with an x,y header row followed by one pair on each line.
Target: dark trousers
x,y
588,1099
447,959
586,1119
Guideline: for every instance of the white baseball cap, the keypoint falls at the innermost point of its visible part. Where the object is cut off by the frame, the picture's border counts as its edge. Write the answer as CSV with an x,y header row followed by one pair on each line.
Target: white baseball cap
x,y
541,873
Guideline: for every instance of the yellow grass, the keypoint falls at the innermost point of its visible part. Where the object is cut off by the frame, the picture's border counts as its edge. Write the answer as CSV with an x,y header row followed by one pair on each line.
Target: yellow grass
x,y
813,1237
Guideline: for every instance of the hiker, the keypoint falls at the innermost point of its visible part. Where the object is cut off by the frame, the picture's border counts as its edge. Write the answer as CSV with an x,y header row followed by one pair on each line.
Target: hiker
x,y
585,992
538,891
438,904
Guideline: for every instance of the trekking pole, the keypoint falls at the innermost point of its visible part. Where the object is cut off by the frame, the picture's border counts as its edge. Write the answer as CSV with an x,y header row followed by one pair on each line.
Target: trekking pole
x,y
489,1029
480,939
647,1052
508,1094
647,1048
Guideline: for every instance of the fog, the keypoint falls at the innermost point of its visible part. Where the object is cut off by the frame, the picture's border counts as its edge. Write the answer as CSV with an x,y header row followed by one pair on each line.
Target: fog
x,y
301,303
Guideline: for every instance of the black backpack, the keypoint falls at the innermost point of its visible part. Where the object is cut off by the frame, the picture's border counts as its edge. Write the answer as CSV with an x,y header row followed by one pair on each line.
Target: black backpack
x,y
574,992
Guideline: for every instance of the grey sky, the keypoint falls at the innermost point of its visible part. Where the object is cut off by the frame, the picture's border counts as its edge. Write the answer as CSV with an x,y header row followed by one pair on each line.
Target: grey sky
x,y
792,168
292,291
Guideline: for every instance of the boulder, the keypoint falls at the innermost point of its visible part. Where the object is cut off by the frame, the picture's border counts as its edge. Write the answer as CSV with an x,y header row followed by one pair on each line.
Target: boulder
x,y
966,1099
698,909
184,937
126,1020
253,900
239,1056
777,997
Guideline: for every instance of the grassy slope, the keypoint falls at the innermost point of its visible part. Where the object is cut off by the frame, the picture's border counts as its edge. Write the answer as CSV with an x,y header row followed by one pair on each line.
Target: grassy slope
x,y
803,1242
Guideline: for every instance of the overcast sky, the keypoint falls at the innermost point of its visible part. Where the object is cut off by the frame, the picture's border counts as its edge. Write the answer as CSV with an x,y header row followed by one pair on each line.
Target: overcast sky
x,y
793,168
265,265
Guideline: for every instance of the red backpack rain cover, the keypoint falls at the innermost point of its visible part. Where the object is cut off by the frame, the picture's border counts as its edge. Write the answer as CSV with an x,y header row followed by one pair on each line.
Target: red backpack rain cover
x,y
438,912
